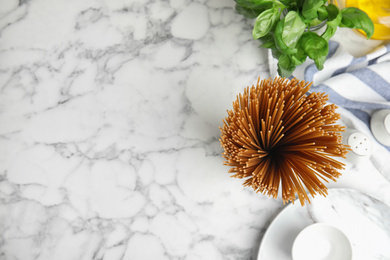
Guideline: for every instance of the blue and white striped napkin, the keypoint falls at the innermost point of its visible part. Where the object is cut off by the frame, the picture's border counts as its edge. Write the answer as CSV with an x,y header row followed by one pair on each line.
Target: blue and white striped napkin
x,y
358,86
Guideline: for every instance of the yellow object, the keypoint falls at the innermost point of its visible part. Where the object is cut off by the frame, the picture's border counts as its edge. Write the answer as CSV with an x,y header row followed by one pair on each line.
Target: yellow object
x,y
379,12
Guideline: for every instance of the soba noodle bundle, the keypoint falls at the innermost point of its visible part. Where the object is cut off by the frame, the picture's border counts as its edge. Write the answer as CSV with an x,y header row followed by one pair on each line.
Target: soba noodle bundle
x,y
277,137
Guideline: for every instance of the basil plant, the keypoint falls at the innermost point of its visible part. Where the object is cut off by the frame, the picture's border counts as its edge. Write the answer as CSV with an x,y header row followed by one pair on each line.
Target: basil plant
x,y
286,27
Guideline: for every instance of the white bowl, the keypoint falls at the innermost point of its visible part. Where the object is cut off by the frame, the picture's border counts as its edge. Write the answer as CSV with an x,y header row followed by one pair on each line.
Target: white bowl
x,y
380,126
321,242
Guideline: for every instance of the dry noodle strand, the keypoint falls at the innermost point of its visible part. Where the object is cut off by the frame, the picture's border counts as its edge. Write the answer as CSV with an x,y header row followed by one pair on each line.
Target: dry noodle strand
x,y
277,137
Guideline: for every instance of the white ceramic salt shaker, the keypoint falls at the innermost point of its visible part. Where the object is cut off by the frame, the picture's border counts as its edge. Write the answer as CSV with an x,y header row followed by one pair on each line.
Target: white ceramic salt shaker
x,y
360,143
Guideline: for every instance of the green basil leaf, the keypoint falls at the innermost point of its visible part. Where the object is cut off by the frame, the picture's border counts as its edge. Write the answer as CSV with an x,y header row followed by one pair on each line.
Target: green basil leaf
x,y
268,41
329,32
305,20
255,3
248,12
299,4
276,54
268,37
355,18
315,22
286,2
310,7
299,57
280,45
315,47
292,29
320,62
322,13
265,22
268,45
285,66
334,15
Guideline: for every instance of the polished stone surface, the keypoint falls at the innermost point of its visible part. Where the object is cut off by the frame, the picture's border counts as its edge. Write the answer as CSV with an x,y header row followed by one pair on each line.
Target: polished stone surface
x,y
109,116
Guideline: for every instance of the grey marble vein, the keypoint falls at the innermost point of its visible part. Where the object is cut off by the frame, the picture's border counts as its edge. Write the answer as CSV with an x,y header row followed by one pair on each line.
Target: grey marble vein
x,y
109,116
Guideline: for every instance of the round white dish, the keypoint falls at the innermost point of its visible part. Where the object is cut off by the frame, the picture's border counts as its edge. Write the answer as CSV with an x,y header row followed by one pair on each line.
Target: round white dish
x,y
363,219
321,241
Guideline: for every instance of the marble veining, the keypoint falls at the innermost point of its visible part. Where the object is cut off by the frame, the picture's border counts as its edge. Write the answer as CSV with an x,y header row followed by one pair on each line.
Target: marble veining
x,y
109,116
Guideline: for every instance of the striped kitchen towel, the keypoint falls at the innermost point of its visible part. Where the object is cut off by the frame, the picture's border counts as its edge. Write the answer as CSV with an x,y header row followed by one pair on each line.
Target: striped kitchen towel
x,y
359,86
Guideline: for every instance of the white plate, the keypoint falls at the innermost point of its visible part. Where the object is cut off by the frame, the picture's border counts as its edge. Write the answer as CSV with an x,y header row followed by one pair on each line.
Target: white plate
x,y
363,219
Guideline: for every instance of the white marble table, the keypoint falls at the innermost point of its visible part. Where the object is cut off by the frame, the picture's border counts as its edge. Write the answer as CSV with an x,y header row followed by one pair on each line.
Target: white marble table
x,y
109,116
